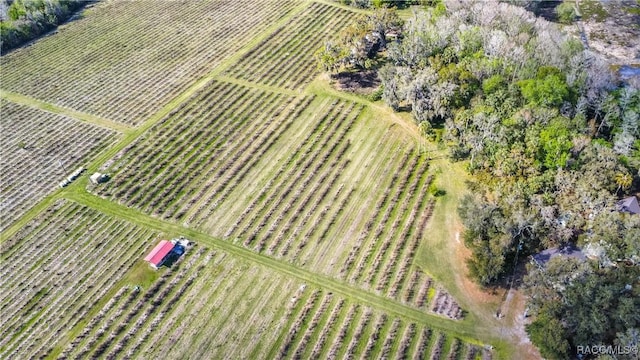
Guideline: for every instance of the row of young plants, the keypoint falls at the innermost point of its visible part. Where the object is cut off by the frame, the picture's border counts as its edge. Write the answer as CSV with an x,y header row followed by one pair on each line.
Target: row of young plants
x,y
114,64
40,149
381,257
67,314
243,304
308,173
274,123
117,331
329,327
189,161
60,266
188,165
283,59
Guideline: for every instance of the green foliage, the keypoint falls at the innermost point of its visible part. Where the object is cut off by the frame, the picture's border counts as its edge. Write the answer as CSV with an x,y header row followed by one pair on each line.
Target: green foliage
x,y
548,89
435,191
550,143
31,18
548,334
331,58
493,84
17,10
376,95
359,43
566,12
556,144
593,10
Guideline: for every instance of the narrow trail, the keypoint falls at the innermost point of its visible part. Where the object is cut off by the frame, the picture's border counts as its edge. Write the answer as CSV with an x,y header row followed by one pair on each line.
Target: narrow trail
x,y
55,109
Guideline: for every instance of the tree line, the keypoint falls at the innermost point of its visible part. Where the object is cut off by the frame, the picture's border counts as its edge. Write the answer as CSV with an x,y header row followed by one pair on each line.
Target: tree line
x,y
552,139
25,20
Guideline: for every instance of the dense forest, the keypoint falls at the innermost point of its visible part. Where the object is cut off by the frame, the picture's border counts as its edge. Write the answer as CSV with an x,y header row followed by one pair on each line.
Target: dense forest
x,y
552,139
24,20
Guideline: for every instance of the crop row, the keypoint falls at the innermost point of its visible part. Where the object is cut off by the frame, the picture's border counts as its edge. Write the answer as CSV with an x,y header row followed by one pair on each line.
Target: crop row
x,y
381,256
189,162
275,220
57,270
285,58
243,305
72,256
304,150
123,325
116,64
240,310
327,327
39,150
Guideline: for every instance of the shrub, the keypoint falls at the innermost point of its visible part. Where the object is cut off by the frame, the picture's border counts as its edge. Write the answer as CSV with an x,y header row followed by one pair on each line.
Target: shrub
x,y
376,94
566,13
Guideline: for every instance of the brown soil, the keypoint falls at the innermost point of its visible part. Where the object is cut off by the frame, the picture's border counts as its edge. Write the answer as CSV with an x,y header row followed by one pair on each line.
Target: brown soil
x,y
471,289
361,82
511,325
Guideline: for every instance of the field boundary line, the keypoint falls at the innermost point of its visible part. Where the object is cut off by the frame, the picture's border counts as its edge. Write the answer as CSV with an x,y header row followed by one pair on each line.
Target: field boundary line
x,y
250,84
193,89
319,89
240,53
344,7
132,133
28,216
59,110
462,329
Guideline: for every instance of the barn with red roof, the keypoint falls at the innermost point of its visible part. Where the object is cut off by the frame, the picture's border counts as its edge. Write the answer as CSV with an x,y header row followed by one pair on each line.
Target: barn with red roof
x,y
158,255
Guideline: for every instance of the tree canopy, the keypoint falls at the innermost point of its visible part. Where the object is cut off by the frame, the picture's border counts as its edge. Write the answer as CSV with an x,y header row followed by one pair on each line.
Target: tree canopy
x,y
27,19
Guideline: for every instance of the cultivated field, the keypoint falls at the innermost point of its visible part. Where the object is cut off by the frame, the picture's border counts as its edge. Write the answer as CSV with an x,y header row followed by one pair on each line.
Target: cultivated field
x,y
285,176
123,60
84,293
285,58
40,149
308,206
56,269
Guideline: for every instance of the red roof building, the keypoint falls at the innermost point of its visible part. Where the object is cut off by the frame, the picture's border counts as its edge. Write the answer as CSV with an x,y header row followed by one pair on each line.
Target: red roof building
x,y
159,253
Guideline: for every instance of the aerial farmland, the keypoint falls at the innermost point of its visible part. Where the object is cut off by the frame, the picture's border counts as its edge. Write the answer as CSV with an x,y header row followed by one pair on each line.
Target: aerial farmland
x,y
312,222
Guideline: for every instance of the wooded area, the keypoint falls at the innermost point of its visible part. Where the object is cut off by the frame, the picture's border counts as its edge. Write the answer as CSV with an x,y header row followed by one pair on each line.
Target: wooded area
x,y
27,19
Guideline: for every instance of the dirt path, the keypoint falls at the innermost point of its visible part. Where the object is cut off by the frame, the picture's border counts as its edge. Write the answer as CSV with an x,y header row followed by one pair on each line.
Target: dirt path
x,y
482,304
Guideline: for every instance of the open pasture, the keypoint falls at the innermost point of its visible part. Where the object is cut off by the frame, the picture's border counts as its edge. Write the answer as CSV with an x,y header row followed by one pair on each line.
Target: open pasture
x,y
123,60
310,180
40,149
286,57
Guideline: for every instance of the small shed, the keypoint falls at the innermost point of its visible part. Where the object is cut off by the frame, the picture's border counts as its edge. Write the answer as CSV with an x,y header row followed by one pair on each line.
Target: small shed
x,y
158,255
629,205
98,178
